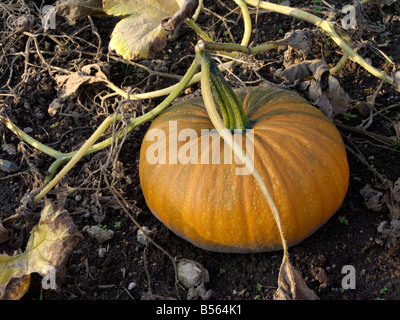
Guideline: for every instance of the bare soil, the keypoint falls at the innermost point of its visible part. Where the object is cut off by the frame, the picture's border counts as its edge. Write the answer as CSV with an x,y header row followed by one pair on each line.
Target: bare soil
x,y
350,237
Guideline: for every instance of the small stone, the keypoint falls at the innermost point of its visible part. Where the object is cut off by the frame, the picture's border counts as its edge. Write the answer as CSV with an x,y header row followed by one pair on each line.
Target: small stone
x,y
100,234
132,285
78,197
322,278
8,166
191,273
53,107
40,116
28,130
363,108
102,252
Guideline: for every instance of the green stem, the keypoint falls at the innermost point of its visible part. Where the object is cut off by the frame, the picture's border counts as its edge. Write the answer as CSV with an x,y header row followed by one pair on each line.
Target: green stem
x,y
198,10
28,139
327,26
230,104
226,115
227,136
106,123
88,146
246,21
345,56
211,45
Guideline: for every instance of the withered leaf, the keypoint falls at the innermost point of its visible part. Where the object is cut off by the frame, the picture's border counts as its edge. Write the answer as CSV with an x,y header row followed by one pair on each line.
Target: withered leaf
x,y
51,243
140,33
322,90
292,291
15,288
71,83
73,10
372,198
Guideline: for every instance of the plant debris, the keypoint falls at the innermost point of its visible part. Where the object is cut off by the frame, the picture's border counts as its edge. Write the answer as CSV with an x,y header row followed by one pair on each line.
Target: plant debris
x,y
322,89
51,243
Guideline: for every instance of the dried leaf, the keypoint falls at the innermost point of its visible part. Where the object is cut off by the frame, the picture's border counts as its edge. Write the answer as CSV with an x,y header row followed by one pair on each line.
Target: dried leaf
x,y
365,23
299,40
292,291
323,90
15,288
71,83
390,231
392,200
51,243
140,34
73,10
372,198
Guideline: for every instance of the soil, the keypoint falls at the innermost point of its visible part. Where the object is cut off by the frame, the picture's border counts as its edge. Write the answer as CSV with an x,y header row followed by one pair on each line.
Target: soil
x,y
349,238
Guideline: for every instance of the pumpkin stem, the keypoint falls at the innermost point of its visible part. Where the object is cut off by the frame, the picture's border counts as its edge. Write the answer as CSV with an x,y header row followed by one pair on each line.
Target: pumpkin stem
x,y
231,107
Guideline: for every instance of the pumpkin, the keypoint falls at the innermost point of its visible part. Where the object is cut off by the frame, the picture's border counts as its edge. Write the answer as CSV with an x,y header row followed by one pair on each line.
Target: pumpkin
x,y
298,152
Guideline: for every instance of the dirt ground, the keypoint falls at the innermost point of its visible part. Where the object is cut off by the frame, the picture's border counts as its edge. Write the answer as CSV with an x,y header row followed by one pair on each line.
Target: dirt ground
x,y
126,269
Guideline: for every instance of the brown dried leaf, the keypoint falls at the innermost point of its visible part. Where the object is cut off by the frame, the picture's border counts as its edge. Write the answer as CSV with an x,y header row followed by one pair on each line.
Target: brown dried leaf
x,y
73,10
322,90
287,290
299,43
365,23
392,200
51,243
15,288
70,84
372,198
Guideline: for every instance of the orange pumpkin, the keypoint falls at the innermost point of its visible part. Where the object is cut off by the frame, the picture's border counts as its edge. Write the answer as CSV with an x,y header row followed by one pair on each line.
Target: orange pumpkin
x,y
297,150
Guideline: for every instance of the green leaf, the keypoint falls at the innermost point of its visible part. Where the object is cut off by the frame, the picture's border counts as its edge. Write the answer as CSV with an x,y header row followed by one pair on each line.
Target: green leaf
x,y
140,34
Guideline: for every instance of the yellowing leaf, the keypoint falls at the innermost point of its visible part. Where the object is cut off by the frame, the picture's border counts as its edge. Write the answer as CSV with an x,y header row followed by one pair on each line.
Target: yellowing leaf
x,y
140,34
51,243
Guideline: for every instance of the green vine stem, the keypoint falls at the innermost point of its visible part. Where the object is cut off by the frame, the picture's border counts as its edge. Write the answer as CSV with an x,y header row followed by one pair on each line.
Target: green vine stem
x,y
227,136
247,22
227,98
28,139
198,10
326,26
345,56
77,156
210,45
88,146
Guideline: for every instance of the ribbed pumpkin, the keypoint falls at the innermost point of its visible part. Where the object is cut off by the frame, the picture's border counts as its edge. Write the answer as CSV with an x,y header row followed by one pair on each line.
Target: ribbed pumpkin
x,y
298,152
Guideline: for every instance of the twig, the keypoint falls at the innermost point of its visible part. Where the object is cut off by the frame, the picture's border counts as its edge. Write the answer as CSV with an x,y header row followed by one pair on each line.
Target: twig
x,y
375,136
371,104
